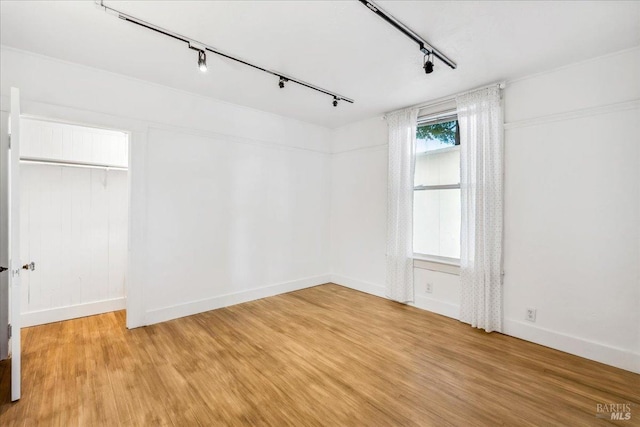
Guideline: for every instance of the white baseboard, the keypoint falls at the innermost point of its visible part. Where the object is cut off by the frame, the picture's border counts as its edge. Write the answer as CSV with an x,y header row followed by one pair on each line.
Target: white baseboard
x,y
603,353
436,306
425,303
200,306
358,285
618,357
59,314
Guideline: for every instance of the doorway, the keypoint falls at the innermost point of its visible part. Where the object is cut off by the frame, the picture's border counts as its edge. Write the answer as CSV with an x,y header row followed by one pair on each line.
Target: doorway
x,y
73,220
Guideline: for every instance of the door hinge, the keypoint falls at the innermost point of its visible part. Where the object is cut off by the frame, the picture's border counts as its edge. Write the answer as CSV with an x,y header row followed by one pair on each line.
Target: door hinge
x,y
9,141
9,330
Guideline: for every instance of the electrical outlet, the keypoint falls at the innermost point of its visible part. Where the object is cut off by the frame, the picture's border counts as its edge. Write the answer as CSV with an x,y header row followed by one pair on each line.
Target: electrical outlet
x,y
531,315
429,288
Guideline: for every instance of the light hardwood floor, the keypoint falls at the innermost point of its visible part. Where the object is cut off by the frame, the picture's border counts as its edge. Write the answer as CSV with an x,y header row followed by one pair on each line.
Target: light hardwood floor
x,y
324,356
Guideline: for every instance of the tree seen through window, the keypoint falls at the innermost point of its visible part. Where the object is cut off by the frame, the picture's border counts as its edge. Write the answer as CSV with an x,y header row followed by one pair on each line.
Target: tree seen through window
x,y
437,135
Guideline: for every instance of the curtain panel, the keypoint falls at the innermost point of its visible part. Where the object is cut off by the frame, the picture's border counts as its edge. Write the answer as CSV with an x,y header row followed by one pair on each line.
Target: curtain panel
x,y
481,183
402,147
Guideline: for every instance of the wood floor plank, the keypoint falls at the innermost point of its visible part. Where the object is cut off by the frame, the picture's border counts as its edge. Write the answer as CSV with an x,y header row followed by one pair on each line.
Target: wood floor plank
x,y
323,356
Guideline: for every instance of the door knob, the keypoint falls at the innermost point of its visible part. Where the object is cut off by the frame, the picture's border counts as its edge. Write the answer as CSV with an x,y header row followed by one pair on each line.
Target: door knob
x,y
31,266
3,269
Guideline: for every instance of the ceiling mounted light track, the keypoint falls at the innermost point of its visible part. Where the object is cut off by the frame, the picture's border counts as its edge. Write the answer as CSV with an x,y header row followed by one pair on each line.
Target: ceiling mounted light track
x,y
202,58
425,47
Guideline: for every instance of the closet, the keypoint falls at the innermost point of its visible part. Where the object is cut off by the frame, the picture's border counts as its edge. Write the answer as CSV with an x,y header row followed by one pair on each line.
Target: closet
x,y
74,210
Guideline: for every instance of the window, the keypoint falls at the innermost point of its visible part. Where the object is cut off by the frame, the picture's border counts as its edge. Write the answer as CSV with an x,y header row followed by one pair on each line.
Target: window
x,y
436,203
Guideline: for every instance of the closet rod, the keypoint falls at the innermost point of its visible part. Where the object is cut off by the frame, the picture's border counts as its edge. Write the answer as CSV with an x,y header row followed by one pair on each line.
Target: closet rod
x,y
37,161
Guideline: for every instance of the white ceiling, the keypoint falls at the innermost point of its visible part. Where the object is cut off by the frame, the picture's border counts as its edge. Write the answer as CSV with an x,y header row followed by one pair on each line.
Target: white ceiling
x,y
338,45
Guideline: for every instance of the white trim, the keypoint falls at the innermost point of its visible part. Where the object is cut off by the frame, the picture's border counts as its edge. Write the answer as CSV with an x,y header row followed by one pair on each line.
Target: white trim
x,y
44,111
437,259
137,242
227,138
378,147
136,187
359,285
516,80
603,353
150,124
33,318
436,306
421,302
94,128
575,114
220,301
436,265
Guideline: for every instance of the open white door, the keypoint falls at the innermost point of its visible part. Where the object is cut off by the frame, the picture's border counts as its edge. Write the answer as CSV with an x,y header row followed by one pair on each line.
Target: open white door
x,y
15,266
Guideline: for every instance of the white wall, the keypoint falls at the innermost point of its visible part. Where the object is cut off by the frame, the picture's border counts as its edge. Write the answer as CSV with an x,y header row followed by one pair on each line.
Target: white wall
x,y
194,163
247,215
572,208
580,198
572,211
358,202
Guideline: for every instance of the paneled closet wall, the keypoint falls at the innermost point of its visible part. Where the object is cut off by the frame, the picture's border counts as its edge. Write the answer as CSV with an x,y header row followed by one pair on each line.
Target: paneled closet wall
x,y
74,207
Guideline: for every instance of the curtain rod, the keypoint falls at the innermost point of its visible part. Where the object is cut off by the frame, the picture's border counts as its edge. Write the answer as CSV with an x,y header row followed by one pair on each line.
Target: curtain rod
x,y
448,98
196,45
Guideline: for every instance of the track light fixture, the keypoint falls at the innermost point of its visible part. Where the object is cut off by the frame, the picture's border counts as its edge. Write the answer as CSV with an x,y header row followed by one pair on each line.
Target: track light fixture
x,y
428,63
202,61
203,48
335,101
423,45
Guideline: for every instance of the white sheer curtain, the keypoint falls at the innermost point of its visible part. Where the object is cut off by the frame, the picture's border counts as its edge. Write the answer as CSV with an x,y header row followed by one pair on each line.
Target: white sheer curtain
x,y
481,183
402,148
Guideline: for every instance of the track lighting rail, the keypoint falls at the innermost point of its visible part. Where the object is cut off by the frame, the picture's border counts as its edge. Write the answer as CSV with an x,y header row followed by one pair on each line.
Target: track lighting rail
x,y
425,47
196,45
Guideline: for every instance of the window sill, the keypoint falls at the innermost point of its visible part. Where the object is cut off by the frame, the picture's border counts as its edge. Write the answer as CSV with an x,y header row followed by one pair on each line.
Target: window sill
x,y
442,265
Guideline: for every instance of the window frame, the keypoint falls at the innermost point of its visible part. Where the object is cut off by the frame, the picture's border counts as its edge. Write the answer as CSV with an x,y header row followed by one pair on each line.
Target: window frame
x,y
428,261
